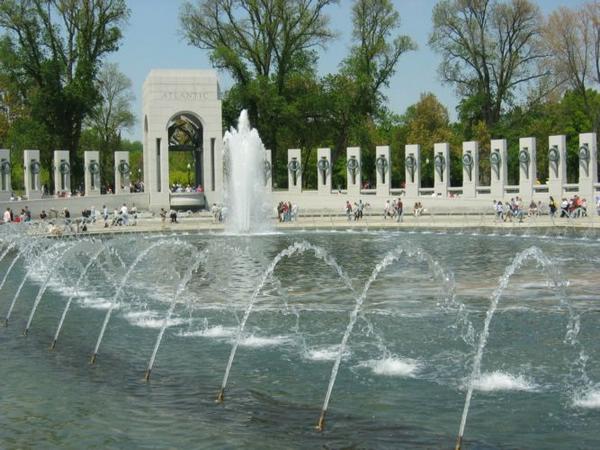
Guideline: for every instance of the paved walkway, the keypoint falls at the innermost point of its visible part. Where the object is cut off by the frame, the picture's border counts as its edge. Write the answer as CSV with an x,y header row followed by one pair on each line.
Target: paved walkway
x,y
204,223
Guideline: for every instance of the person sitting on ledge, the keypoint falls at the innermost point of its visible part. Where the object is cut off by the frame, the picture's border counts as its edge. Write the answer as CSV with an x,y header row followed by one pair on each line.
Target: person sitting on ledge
x,y
418,209
533,209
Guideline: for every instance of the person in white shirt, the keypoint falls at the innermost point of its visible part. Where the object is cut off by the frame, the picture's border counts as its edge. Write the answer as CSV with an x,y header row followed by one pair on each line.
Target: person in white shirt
x,y
6,216
124,214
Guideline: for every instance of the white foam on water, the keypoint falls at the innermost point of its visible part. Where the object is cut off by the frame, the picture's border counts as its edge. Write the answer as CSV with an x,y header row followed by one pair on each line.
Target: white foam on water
x,y
218,331
502,381
258,341
150,319
328,353
589,400
393,366
95,303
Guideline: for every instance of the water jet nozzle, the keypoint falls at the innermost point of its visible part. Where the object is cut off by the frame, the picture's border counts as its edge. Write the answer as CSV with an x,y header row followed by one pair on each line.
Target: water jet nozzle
x,y
147,375
6,323
93,360
458,443
321,424
53,345
220,396
25,331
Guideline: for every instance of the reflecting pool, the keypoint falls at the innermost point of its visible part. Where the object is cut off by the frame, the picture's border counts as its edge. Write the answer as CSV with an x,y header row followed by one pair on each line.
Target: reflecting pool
x,y
404,371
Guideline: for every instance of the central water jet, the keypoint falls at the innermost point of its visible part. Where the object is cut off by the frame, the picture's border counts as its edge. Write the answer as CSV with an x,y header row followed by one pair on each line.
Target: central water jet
x,y
246,196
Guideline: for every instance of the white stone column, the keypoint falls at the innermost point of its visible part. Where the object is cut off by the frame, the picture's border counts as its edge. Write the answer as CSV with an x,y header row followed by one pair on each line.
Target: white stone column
x,y
527,168
122,172
294,170
383,168
499,168
588,167
557,160
5,174
156,177
62,172
470,165
164,165
324,171
91,172
412,170
32,168
268,170
441,169
353,171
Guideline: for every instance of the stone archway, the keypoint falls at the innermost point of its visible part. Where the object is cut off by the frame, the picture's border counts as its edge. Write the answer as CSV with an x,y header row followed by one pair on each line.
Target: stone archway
x,y
182,113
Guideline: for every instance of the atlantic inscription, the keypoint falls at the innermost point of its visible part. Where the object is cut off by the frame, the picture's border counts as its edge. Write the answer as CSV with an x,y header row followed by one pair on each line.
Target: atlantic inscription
x,y
189,96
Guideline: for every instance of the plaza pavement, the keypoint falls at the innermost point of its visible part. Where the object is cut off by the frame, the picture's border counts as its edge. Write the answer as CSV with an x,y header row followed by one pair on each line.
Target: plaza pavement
x,y
203,222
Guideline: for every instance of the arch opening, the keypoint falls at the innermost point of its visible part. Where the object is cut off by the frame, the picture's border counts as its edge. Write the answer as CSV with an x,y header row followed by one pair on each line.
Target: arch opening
x,y
186,150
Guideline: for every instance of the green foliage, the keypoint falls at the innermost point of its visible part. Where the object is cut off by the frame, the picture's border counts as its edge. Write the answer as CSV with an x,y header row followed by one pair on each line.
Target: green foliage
x,y
50,55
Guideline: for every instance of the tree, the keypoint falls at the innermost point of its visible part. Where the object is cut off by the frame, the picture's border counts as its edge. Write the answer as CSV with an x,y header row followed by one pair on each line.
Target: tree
x,y
112,114
251,38
489,49
52,51
366,71
572,37
260,43
374,57
427,122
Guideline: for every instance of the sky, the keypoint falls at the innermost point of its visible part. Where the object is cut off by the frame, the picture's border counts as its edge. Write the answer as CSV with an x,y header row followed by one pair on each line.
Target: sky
x,y
152,40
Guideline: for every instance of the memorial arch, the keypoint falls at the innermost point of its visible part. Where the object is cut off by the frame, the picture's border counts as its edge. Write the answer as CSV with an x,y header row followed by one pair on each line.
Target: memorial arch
x,y
182,113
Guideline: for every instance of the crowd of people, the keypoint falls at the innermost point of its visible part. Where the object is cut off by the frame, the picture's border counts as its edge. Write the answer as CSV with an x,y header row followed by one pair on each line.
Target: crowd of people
x,y
122,216
572,208
178,187
286,212
505,212
10,216
575,207
394,210
355,211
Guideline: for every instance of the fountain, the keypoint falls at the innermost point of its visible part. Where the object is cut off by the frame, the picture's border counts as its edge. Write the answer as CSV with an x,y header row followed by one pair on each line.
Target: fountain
x,y
572,328
293,303
246,197
115,299
199,258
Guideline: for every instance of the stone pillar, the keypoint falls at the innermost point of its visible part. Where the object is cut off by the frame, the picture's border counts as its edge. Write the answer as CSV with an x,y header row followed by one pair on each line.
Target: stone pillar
x,y
383,167
324,171
353,171
62,172
499,168
122,172
164,165
412,170
588,167
155,182
294,170
527,168
268,170
92,172
5,172
441,169
470,165
32,166
557,160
